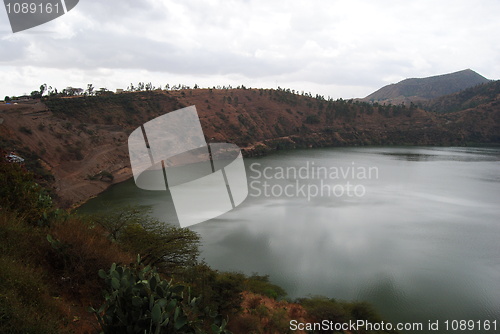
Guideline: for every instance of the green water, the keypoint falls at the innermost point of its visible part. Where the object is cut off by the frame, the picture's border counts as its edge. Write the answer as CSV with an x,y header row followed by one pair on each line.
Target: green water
x,y
419,239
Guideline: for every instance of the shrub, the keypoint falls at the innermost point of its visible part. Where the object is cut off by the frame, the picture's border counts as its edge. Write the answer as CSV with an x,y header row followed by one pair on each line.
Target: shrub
x,y
21,241
228,288
245,324
78,251
20,193
243,120
312,119
254,302
138,300
220,291
222,116
322,308
26,303
167,247
261,285
278,323
25,130
74,152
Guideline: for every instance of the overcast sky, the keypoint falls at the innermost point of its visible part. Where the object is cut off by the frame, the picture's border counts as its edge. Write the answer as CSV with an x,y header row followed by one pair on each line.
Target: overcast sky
x,y
334,48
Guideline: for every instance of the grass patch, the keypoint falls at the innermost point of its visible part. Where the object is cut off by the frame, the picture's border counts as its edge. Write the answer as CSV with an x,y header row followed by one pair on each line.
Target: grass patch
x,y
26,302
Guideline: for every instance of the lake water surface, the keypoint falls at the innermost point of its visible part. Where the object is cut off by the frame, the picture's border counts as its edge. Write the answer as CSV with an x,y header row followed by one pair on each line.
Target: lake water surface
x,y
413,230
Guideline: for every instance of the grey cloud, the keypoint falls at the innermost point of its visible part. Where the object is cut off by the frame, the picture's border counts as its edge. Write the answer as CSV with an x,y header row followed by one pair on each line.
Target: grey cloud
x,y
12,49
323,43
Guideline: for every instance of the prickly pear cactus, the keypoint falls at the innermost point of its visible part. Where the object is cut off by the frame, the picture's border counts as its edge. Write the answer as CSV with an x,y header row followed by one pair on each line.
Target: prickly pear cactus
x,y
138,300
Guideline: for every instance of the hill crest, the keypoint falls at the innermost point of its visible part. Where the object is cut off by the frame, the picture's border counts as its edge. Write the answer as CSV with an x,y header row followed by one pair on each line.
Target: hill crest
x,y
82,141
422,89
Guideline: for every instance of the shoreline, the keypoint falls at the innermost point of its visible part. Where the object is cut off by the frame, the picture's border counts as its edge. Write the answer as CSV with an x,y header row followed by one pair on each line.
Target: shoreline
x,y
270,151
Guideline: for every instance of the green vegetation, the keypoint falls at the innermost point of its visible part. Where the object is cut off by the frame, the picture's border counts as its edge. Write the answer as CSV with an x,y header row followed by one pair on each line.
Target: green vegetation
x,y
130,108
26,300
52,272
138,300
321,308
269,113
312,119
22,194
467,98
74,152
170,248
25,130
261,285
59,255
31,161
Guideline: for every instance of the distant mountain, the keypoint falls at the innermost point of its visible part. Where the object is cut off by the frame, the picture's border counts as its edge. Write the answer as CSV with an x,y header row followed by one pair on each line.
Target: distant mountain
x,y
423,89
480,95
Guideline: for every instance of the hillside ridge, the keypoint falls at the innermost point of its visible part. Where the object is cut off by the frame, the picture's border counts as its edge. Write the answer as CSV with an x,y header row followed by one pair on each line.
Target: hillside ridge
x,y
82,141
482,94
422,89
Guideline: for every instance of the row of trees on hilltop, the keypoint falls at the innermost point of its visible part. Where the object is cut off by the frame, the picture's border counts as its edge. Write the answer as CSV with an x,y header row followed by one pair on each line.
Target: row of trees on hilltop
x,y
91,90
48,91
283,95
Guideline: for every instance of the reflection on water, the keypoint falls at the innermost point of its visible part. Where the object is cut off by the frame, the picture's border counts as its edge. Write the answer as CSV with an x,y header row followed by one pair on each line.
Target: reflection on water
x,y
420,244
